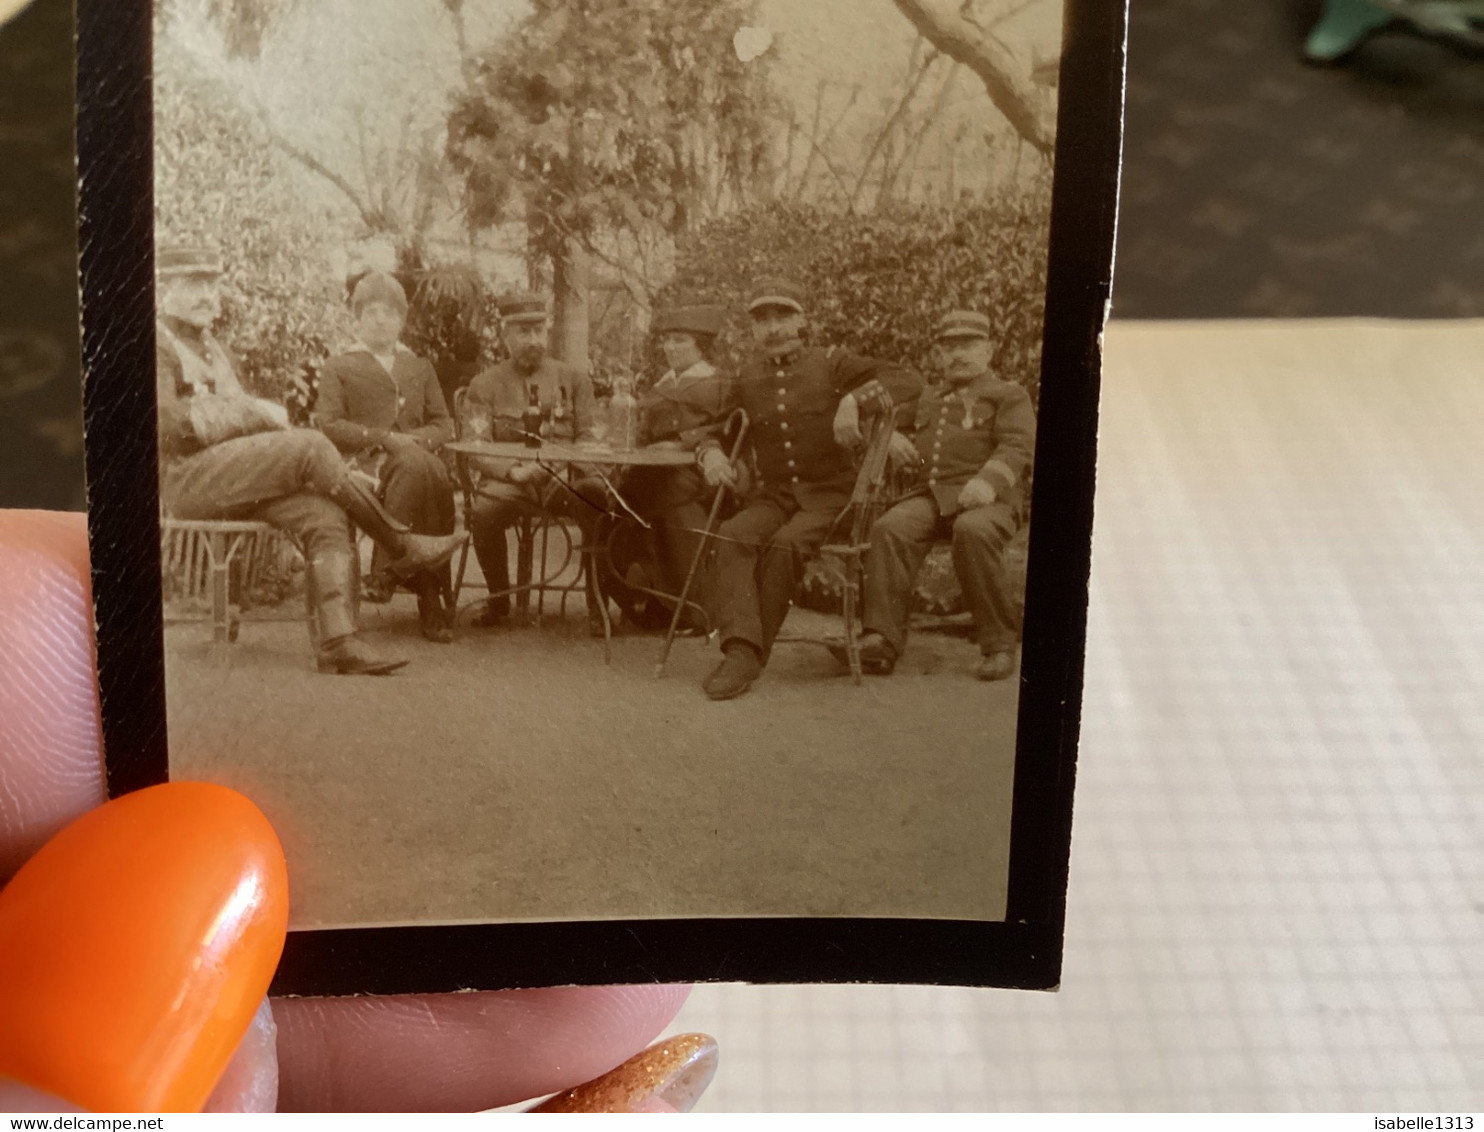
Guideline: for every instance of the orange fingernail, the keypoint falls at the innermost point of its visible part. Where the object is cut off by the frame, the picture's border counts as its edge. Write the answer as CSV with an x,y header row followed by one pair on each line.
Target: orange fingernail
x,y
136,946
669,1076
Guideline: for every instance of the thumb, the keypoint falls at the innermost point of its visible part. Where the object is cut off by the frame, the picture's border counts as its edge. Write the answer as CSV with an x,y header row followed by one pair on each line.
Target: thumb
x,y
15,1097
135,947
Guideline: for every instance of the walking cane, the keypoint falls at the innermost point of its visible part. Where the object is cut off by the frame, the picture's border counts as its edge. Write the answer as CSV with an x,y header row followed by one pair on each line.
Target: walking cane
x,y
695,563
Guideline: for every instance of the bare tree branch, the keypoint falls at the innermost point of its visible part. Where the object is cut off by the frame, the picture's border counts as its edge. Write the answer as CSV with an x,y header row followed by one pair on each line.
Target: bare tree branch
x,y
891,170
818,142
1006,80
803,180
834,170
467,64
917,71
364,208
1011,12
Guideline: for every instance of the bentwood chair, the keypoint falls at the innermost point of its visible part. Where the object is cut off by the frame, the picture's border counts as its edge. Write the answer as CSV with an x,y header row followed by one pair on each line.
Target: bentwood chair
x,y
846,557
217,560
529,531
868,500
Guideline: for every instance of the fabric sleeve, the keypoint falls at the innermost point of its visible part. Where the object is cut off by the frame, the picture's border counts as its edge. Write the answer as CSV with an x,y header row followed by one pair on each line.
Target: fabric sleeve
x,y
714,435
872,382
1015,441
331,414
718,391
437,427
215,418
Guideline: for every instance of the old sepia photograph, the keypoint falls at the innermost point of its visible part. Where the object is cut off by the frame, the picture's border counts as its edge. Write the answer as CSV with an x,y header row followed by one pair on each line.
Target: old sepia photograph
x,y
596,446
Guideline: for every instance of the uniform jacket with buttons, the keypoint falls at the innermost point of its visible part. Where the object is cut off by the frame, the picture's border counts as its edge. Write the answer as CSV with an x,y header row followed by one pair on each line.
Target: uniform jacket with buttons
x,y
791,404
499,397
360,401
983,430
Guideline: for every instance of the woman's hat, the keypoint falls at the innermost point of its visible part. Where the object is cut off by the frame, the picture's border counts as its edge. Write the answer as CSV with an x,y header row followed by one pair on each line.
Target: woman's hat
x,y
378,287
705,320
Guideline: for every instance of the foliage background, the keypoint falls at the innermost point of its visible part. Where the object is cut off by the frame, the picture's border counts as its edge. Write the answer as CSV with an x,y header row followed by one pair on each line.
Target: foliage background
x,y
219,182
878,283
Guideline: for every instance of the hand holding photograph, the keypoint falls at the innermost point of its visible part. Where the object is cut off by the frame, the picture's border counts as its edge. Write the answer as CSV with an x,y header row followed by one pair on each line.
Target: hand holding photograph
x,y
616,487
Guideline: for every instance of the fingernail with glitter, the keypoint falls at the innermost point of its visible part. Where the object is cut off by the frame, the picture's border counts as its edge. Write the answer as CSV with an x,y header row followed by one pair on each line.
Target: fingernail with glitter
x,y
669,1075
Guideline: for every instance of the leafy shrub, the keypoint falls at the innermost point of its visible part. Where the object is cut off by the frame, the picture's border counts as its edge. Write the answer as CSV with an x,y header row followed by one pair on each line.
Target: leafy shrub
x,y
878,283
220,182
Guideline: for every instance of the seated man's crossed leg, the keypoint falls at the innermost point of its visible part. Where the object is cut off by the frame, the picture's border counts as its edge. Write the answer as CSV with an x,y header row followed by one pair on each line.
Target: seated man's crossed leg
x,y
296,480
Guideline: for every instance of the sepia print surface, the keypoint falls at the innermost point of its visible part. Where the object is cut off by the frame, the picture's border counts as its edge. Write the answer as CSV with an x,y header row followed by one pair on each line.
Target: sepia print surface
x,y
470,311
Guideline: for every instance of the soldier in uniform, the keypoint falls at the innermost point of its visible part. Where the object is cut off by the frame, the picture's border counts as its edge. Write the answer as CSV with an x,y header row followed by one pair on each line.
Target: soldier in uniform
x,y
805,405
974,438
680,410
227,455
509,489
383,407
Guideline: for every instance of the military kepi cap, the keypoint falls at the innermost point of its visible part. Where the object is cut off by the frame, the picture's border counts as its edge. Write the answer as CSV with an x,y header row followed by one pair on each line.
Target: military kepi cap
x,y
704,320
522,306
776,293
963,324
187,259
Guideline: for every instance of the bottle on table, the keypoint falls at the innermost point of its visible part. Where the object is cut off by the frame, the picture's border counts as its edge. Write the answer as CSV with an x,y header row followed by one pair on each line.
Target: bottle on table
x,y
530,419
623,416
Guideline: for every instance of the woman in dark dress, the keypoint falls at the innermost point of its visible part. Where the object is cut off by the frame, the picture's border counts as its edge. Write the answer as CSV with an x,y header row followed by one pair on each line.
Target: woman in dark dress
x,y
683,407
383,407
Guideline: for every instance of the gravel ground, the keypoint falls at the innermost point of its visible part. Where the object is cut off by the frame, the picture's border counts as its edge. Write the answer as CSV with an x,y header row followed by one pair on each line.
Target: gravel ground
x,y
512,775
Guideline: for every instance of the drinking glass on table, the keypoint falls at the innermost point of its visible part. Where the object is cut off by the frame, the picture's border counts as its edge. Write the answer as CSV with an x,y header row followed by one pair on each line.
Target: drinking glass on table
x,y
479,425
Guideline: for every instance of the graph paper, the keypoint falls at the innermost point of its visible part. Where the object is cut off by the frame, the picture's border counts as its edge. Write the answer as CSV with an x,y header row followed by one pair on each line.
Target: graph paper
x,y
1276,899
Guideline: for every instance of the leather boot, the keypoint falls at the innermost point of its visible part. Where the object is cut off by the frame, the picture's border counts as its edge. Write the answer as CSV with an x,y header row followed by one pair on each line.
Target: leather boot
x,y
432,618
491,550
409,553
331,580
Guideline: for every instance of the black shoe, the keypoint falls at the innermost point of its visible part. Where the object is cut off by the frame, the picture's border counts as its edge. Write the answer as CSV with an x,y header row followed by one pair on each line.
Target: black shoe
x,y
494,615
878,658
433,621
351,656
996,665
739,668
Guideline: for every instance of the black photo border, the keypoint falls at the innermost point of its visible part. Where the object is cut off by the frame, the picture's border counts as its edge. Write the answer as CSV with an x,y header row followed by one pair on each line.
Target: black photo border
x,y
115,154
